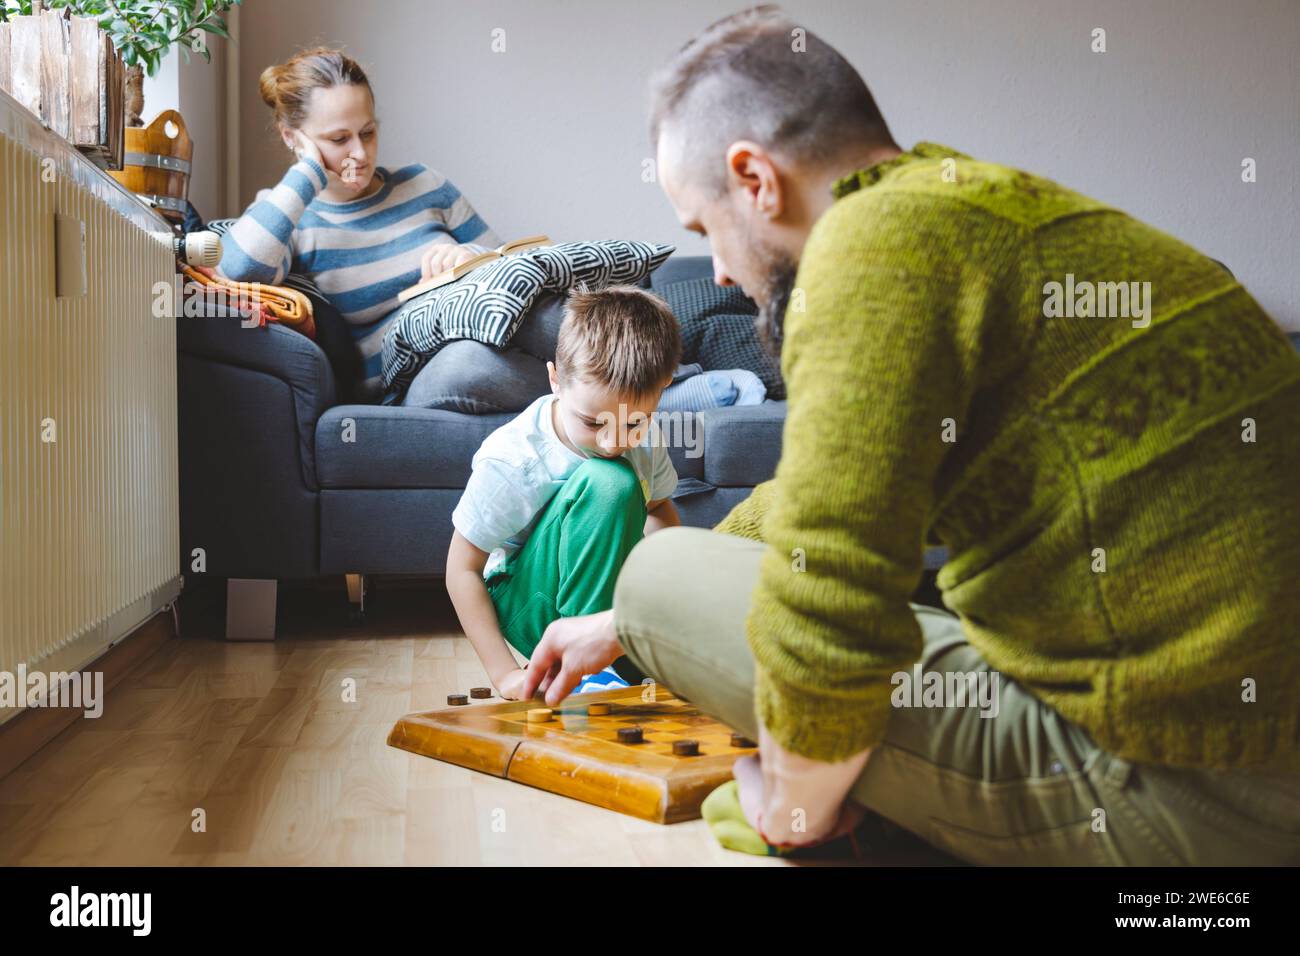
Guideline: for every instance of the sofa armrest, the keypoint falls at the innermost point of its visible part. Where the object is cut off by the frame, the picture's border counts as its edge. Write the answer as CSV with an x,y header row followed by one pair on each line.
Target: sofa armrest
x,y
742,444
677,268
218,336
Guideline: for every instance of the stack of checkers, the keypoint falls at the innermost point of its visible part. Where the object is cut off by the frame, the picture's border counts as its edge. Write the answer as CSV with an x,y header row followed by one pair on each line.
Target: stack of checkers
x,y
460,700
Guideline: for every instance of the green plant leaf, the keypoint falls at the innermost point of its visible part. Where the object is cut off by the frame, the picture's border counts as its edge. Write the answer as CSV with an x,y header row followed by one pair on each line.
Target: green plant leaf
x,y
143,31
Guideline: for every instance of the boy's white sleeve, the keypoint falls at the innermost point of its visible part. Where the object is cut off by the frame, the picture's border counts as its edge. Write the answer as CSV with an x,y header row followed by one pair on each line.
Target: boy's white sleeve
x,y
663,480
498,503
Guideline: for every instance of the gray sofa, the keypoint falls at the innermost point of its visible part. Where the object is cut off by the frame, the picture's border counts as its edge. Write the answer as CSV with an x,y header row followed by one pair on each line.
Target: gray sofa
x,y
271,489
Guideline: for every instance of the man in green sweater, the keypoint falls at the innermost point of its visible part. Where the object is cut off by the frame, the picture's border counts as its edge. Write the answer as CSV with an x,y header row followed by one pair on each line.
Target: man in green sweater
x,y
1097,421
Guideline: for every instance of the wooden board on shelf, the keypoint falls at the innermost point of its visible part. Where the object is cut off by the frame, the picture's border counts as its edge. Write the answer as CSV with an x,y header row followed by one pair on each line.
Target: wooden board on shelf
x,y
579,755
65,70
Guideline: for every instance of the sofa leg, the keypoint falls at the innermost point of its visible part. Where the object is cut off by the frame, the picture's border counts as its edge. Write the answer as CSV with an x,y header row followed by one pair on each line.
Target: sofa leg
x,y
357,597
250,609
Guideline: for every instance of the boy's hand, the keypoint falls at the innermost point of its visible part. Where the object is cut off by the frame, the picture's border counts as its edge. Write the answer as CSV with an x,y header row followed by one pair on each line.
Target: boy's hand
x,y
661,514
511,687
570,648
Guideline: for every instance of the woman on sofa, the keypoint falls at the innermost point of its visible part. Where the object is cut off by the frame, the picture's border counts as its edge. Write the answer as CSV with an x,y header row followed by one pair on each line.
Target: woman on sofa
x,y
363,233
360,231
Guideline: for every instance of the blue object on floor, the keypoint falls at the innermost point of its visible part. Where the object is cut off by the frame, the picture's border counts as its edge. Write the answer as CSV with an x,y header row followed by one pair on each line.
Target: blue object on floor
x,y
607,679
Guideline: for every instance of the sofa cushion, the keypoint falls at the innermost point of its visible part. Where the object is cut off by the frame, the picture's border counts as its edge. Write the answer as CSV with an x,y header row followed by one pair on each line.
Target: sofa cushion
x,y
742,444
717,321
388,446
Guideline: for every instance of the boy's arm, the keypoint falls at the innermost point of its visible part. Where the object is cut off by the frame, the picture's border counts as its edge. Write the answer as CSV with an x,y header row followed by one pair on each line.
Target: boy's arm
x,y
661,514
660,511
478,617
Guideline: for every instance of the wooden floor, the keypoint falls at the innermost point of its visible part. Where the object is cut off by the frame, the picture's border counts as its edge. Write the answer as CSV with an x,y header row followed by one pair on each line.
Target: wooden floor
x,y
259,737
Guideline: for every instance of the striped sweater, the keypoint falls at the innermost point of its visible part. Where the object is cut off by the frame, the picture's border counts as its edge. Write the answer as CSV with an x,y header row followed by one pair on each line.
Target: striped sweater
x,y
360,253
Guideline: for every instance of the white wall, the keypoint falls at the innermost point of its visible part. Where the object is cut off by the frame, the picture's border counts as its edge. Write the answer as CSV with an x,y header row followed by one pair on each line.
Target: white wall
x,y
196,91
203,104
551,135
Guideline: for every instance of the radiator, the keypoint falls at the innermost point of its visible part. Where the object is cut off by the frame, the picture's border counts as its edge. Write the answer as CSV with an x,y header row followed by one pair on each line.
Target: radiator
x,y
89,539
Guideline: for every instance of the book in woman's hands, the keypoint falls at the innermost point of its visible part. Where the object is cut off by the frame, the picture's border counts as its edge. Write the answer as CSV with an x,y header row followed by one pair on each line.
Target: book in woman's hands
x,y
469,265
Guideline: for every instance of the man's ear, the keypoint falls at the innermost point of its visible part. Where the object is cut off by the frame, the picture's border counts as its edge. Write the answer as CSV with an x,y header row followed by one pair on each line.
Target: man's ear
x,y
550,373
750,165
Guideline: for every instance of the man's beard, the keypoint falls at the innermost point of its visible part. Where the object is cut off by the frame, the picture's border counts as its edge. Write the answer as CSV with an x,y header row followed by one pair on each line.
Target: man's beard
x,y
778,286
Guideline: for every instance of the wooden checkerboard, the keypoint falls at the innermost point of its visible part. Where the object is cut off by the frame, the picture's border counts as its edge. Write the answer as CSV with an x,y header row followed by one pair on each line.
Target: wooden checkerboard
x,y
579,755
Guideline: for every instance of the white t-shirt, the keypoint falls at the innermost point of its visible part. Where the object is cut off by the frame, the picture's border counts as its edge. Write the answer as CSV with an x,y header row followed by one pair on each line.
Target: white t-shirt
x,y
522,464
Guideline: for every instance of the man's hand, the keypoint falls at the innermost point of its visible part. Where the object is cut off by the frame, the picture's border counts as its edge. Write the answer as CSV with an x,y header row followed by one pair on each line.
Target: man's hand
x,y
793,801
511,686
570,648
441,256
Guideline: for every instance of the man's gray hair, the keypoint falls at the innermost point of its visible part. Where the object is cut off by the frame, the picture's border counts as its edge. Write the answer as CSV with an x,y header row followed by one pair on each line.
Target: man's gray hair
x,y
752,76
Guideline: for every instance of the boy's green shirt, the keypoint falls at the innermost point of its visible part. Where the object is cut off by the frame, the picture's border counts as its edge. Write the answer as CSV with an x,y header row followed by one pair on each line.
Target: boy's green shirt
x,y
1118,542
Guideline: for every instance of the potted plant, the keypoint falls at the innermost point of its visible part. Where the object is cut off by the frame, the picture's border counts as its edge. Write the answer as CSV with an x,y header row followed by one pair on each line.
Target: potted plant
x,y
142,31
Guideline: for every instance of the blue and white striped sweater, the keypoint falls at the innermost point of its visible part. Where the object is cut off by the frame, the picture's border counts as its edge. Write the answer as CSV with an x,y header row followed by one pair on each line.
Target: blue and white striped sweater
x,y
360,253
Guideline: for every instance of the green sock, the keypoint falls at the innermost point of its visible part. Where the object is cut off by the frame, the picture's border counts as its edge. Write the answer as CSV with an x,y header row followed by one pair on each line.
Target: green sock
x,y
721,811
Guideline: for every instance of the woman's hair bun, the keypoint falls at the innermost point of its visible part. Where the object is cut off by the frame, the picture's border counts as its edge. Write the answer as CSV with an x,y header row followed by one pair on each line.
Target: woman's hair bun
x,y
269,86
287,87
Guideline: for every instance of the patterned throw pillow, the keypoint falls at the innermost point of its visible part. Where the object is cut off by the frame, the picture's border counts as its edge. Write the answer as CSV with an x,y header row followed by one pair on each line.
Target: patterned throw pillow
x,y
718,329
488,304
220,226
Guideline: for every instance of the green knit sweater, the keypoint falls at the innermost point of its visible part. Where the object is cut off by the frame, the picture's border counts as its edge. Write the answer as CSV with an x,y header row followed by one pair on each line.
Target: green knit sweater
x,y
1118,543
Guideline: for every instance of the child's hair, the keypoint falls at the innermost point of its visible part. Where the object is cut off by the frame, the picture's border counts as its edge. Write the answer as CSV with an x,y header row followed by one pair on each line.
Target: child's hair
x,y
621,338
287,88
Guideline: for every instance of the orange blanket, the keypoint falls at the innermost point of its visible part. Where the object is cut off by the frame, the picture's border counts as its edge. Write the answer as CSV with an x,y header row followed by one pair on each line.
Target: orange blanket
x,y
274,303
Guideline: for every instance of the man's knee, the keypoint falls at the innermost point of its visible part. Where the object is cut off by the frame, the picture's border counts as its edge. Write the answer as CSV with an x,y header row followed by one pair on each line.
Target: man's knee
x,y
679,611
647,577
475,378
681,575
656,559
